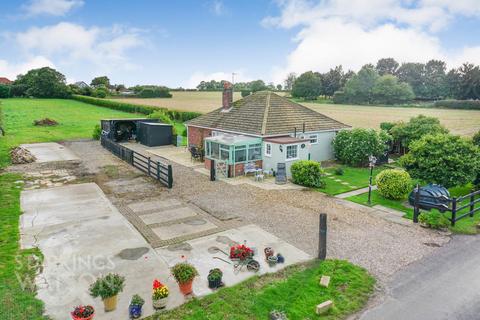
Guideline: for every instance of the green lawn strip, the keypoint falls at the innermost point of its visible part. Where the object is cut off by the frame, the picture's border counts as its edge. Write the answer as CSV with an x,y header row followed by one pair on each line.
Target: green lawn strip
x,y
358,177
76,120
17,267
467,225
294,290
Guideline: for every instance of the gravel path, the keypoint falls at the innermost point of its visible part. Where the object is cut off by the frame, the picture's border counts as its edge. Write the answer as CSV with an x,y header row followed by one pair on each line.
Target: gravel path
x,y
380,246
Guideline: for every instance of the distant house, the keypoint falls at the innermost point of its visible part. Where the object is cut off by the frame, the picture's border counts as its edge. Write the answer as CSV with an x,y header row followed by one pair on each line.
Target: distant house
x,y
81,84
5,81
262,128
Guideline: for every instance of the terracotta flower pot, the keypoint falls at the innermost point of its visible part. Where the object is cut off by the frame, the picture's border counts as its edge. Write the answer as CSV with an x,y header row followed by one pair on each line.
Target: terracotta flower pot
x,y
110,303
160,303
87,318
186,288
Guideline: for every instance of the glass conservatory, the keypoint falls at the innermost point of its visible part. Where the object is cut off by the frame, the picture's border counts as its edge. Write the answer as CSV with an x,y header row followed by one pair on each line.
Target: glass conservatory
x,y
233,149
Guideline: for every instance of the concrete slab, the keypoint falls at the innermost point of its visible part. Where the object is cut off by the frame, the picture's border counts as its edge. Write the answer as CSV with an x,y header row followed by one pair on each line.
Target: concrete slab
x,y
354,192
82,236
200,253
50,152
168,215
389,210
191,226
153,205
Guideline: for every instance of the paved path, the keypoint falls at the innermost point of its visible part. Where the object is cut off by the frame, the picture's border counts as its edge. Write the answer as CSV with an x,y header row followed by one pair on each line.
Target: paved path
x,y
354,192
444,286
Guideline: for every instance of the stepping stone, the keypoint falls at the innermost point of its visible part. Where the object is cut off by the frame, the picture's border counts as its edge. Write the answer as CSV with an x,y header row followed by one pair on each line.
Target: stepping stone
x,y
325,281
324,307
338,180
151,205
328,174
167,215
354,187
345,183
183,228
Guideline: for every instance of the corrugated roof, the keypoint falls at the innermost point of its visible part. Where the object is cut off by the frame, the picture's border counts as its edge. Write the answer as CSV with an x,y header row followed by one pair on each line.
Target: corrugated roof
x,y
265,113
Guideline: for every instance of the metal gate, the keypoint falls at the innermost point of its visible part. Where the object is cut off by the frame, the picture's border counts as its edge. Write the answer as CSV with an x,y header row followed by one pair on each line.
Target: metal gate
x,y
221,169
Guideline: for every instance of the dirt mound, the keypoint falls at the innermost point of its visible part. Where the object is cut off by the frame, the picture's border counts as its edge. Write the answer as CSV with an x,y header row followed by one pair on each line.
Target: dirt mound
x,y
20,156
45,122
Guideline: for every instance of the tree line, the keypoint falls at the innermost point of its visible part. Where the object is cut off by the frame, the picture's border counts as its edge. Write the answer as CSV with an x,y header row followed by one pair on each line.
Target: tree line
x,y
389,82
245,87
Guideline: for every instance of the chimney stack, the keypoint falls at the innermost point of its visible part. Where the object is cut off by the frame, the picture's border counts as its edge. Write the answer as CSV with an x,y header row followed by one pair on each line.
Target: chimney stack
x,y
227,97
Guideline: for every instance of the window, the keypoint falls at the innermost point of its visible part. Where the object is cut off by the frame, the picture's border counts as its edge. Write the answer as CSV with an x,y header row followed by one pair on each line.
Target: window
x,y
313,138
215,150
292,152
224,152
207,148
240,154
255,152
268,149
214,133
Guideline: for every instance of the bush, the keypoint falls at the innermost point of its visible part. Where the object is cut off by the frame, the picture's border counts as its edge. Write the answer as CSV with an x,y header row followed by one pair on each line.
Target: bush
x,y
355,146
100,93
339,171
4,91
476,139
161,116
180,116
394,184
108,286
184,272
415,128
444,159
307,173
154,92
245,93
339,97
433,219
97,132
458,104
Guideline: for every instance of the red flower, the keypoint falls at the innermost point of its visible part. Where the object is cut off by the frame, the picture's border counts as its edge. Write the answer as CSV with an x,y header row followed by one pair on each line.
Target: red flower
x,y
157,284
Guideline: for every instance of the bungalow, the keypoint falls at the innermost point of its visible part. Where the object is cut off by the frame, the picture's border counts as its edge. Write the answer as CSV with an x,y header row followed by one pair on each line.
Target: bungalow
x,y
5,81
262,128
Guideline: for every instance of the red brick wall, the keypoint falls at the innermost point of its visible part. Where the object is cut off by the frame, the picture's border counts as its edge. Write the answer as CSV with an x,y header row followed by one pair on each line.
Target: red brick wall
x,y
240,167
196,135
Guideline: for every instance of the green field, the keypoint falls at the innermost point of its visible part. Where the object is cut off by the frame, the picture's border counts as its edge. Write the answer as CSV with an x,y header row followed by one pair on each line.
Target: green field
x,y
76,120
294,290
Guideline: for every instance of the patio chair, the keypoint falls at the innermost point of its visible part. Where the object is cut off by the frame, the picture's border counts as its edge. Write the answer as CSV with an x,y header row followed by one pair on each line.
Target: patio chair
x,y
259,176
196,154
249,168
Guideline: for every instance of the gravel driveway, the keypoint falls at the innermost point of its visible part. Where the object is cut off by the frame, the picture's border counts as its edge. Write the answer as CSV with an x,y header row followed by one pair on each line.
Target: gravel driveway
x,y
380,246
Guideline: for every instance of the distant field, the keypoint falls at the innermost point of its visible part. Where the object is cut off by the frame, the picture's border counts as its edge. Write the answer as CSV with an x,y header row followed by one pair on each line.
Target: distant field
x,y
463,122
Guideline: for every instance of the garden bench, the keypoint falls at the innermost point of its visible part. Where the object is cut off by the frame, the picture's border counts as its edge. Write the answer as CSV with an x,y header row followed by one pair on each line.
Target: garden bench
x,y
250,168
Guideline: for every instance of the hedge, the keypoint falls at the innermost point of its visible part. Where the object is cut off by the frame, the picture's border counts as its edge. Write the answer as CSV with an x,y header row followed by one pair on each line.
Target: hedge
x,y
393,183
307,173
137,108
458,104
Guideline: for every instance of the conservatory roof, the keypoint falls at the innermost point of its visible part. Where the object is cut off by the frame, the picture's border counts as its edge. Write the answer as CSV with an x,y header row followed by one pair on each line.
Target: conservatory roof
x,y
237,140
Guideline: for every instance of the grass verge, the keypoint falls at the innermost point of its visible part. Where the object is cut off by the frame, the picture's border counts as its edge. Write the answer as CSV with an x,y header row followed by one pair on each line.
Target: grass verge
x,y
294,290
17,267
356,178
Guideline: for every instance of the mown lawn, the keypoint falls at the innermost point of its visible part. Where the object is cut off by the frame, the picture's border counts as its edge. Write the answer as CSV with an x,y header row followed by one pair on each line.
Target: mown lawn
x,y
295,291
17,267
357,178
466,225
76,120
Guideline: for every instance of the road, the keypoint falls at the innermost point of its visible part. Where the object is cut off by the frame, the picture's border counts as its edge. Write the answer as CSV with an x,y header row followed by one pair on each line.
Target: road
x,y
445,285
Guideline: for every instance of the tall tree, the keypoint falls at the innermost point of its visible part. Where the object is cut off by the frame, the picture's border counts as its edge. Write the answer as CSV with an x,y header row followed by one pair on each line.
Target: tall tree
x,y
99,81
307,86
453,82
414,75
332,81
470,81
386,66
359,88
288,84
43,83
435,79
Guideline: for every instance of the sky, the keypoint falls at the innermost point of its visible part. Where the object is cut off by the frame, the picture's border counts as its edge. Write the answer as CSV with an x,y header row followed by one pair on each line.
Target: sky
x,y
182,42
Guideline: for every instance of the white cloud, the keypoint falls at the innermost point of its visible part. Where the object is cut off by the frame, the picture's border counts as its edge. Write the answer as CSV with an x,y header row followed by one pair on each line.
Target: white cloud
x,y
355,32
71,43
12,70
198,77
51,7
217,7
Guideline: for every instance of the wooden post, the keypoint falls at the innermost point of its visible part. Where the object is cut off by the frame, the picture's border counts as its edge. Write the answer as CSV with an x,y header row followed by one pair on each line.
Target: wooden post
x,y
170,176
454,210
322,237
148,161
416,208
472,203
158,170
212,170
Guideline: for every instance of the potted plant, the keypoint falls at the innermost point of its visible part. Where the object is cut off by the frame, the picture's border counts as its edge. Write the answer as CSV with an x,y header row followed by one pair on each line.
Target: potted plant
x,y
83,313
240,252
159,295
184,273
272,261
108,288
215,278
135,307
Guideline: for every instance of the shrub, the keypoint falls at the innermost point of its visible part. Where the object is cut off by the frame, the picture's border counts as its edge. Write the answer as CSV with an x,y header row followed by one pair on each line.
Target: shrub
x,y
100,93
433,219
215,274
108,286
245,93
154,92
393,183
339,97
416,128
339,171
476,139
184,272
161,116
444,159
4,91
307,173
355,146
97,132
18,90
180,116
458,104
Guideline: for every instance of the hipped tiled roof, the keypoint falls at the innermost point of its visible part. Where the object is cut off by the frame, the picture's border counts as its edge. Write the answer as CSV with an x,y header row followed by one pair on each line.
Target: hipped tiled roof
x,y
265,113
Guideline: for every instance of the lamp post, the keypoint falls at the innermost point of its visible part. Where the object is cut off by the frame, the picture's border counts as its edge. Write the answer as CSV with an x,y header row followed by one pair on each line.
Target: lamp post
x,y
371,162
